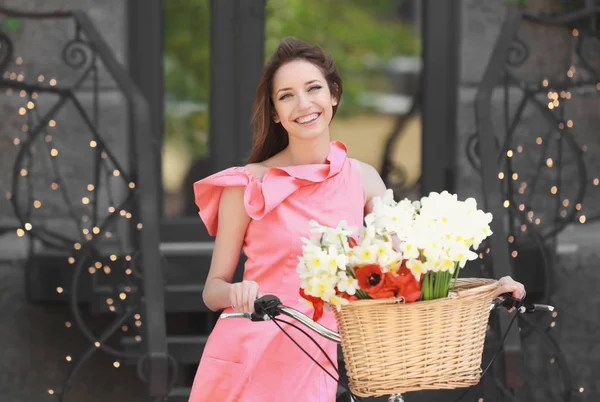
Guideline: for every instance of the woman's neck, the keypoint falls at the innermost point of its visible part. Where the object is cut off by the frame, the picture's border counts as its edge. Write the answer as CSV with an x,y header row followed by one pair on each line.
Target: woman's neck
x,y
308,152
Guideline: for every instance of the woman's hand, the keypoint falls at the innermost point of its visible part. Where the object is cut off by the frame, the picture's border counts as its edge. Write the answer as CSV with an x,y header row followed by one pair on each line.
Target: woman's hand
x,y
242,296
509,285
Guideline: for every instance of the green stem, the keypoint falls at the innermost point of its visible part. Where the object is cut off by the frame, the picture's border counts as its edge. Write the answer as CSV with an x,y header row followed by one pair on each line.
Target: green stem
x,y
361,294
456,271
430,285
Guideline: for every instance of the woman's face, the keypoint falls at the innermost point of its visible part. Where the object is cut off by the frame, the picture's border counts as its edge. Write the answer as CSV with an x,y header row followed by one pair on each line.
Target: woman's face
x,y
302,100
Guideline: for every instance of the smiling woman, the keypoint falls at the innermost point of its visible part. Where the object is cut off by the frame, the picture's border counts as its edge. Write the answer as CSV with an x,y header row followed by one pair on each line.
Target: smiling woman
x,y
299,81
296,174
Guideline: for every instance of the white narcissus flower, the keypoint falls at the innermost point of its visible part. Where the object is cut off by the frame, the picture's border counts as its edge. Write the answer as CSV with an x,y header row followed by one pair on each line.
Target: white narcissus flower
x,y
347,283
416,267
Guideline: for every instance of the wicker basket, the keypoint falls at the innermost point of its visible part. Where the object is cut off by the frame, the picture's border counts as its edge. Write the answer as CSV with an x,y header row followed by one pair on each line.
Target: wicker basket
x,y
396,348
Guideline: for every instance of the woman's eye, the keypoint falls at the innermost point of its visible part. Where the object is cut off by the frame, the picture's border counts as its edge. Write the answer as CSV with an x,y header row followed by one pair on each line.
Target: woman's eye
x,y
284,96
315,87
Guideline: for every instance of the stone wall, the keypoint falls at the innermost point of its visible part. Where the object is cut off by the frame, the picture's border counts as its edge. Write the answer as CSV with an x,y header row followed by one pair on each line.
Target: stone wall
x,y
34,338
576,280
39,45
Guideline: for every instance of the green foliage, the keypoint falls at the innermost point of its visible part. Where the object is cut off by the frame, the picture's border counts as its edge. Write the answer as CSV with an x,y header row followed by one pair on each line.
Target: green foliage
x,y
354,32
11,24
357,33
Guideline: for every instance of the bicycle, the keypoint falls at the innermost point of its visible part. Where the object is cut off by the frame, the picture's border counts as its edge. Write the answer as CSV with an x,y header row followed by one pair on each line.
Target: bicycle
x,y
269,306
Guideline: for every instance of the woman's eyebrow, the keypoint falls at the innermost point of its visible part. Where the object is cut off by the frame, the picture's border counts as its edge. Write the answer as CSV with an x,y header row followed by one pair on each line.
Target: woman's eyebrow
x,y
287,89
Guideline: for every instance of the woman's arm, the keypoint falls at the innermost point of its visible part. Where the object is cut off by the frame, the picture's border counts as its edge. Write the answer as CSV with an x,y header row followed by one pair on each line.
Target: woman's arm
x,y
233,221
373,185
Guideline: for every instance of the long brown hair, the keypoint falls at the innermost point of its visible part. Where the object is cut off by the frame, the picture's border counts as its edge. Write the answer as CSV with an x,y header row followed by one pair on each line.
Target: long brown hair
x,y
270,137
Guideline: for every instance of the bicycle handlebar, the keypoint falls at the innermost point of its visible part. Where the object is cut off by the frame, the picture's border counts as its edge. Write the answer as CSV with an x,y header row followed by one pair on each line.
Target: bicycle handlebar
x,y
269,306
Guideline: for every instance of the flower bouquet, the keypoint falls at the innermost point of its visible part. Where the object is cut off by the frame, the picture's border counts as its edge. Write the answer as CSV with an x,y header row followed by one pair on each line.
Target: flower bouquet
x,y
394,288
407,250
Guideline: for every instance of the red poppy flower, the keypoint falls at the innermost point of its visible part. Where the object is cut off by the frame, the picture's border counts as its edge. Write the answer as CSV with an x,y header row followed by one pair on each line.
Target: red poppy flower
x,y
370,277
317,304
403,284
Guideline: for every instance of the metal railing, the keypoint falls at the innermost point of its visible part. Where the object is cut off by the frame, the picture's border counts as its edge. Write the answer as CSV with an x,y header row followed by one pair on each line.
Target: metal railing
x,y
135,294
534,179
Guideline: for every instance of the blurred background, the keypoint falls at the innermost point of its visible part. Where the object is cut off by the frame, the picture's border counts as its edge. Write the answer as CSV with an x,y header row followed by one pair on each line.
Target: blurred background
x,y
110,110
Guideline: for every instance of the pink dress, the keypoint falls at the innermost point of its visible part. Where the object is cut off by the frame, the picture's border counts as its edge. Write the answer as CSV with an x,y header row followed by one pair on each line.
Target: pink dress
x,y
255,361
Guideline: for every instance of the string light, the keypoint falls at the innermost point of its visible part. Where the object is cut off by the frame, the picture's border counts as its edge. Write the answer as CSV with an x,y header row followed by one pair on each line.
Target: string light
x,y
28,103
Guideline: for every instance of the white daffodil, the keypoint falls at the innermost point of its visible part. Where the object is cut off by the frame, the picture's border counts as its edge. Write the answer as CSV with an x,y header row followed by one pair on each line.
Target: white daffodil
x,y
347,283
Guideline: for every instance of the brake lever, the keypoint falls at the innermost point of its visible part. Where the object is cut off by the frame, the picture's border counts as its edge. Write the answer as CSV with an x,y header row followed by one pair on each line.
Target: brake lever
x,y
267,306
508,302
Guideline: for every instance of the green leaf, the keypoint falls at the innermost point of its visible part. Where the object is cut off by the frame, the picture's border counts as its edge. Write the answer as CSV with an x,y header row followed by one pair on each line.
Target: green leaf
x,y
13,24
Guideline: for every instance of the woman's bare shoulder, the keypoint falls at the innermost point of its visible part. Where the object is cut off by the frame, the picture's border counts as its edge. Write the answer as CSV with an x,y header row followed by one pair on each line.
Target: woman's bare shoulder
x,y
372,182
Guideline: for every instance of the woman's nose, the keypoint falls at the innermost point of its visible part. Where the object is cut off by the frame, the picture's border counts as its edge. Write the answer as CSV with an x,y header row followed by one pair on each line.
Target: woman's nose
x,y
303,101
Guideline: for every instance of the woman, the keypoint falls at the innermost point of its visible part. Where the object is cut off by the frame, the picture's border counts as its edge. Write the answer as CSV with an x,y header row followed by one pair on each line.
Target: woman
x,y
295,174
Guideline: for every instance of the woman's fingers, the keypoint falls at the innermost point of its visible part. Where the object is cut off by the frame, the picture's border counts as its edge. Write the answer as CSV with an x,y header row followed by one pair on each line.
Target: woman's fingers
x,y
248,300
242,296
509,285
